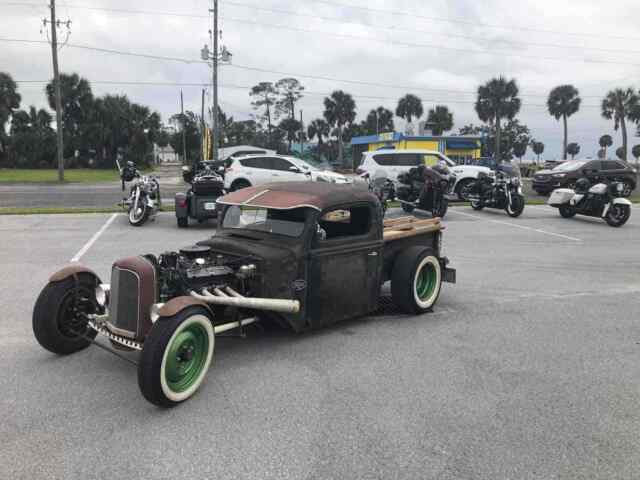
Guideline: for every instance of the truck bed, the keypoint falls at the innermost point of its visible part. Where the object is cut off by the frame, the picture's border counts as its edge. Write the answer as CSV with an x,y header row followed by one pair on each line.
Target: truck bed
x,y
404,227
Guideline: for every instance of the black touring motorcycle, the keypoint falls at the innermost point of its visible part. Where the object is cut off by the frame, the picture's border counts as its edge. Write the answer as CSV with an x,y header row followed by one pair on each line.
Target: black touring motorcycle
x,y
502,191
383,188
207,184
426,188
144,197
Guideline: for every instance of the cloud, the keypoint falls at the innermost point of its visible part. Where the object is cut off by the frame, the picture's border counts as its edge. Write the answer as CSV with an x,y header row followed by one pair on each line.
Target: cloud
x,y
438,58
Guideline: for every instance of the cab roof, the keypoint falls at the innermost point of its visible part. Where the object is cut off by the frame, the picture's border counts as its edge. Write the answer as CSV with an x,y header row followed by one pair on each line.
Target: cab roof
x,y
290,195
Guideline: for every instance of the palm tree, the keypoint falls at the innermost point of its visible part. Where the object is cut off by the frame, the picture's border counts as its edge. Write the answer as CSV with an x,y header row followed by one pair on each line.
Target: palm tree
x,y
379,120
620,105
291,126
573,149
265,96
318,128
605,142
520,150
339,110
409,107
538,149
9,102
620,153
563,102
498,99
441,119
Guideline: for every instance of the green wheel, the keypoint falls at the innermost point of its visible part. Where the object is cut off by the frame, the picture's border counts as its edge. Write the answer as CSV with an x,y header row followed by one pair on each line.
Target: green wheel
x,y
416,280
176,356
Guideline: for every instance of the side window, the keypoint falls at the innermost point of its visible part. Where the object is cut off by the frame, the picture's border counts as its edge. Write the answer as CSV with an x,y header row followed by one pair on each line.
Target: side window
x,y
430,159
386,160
595,165
612,165
407,160
254,162
280,164
343,223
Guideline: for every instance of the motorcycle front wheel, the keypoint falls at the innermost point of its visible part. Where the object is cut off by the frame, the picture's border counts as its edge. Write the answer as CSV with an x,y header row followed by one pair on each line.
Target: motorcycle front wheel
x,y
516,206
618,215
138,216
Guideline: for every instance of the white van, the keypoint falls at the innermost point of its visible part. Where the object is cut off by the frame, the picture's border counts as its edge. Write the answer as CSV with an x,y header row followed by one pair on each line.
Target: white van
x,y
395,162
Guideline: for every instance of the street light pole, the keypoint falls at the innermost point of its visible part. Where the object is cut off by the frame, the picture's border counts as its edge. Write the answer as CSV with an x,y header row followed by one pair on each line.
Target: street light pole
x,y
56,85
215,81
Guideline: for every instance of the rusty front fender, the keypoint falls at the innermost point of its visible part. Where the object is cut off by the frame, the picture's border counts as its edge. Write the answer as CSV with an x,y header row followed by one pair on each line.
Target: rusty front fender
x,y
72,270
177,304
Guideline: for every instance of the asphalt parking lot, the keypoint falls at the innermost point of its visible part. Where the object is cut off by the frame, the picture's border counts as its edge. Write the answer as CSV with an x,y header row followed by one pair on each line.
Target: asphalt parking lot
x,y
527,369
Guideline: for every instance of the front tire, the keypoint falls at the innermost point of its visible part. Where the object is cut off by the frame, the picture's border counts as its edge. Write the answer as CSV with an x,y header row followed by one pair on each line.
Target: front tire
x,y
618,215
176,356
566,211
416,280
516,207
138,217
58,317
407,207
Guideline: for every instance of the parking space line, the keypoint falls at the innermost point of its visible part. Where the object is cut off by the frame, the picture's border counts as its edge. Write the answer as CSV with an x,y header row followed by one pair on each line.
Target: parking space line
x,y
553,234
92,240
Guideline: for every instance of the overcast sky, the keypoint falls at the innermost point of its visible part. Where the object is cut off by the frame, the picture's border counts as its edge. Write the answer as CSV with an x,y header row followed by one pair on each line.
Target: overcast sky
x,y
430,49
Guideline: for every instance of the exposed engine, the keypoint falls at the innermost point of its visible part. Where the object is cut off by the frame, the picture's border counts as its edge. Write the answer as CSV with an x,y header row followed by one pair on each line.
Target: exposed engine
x,y
197,267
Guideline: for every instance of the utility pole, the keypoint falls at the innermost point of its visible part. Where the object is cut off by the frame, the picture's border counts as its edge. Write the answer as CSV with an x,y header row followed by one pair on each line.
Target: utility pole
x,y
203,131
56,86
184,137
215,80
301,135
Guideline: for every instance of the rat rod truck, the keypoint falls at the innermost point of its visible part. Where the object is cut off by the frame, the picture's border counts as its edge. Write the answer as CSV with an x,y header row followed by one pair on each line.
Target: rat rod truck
x,y
304,254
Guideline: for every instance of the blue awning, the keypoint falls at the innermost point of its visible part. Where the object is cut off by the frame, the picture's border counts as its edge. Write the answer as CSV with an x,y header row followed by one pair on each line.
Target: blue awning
x,y
462,144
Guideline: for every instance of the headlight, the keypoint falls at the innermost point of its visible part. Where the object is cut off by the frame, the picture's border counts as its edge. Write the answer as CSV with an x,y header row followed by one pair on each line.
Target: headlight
x,y
559,175
154,312
102,294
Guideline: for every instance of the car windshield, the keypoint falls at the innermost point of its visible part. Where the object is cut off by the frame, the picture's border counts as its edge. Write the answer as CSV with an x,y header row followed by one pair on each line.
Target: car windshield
x,y
289,223
568,166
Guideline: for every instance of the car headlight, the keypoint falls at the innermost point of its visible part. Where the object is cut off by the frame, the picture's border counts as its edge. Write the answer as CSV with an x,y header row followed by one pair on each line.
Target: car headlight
x,y
559,175
102,292
154,312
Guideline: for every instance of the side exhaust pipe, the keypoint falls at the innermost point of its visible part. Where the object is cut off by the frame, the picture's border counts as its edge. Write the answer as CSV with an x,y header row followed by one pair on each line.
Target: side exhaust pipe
x,y
232,298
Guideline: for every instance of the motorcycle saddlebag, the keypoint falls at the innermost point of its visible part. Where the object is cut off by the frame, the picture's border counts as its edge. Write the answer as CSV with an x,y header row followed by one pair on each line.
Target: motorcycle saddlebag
x,y
207,186
560,196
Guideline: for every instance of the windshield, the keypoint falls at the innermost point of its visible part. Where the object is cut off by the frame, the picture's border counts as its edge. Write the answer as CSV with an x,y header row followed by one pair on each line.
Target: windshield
x,y
289,223
568,166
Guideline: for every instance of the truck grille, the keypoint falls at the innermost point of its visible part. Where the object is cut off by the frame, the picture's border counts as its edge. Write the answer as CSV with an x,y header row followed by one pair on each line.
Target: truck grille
x,y
123,306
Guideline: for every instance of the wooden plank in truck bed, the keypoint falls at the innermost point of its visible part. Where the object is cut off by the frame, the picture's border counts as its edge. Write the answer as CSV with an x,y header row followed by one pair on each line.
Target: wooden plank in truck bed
x,y
408,227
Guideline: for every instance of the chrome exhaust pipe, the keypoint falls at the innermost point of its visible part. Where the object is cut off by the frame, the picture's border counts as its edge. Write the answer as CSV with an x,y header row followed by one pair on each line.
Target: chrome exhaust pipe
x,y
234,299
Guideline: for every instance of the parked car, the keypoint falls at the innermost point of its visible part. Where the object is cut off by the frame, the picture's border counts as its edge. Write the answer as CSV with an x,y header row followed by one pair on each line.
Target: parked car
x,y
566,174
252,170
395,162
307,253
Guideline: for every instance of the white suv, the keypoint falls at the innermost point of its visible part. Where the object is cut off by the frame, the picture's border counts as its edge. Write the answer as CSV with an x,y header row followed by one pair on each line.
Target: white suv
x,y
254,170
395,162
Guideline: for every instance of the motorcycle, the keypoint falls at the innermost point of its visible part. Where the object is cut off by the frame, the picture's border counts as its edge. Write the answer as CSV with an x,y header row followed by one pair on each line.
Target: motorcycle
x,y
426,188
199,202
602,200
144,197
381,187
503,192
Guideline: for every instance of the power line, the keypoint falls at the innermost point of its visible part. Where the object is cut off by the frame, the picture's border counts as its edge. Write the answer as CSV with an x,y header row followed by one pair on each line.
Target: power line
x,y
472,23
248,87
336,19
249,68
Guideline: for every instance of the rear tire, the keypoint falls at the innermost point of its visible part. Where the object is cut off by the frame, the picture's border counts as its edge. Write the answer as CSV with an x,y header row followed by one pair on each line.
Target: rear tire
x,y
618,215
416,280
183,222
176,356
566,211
460,187
55,318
